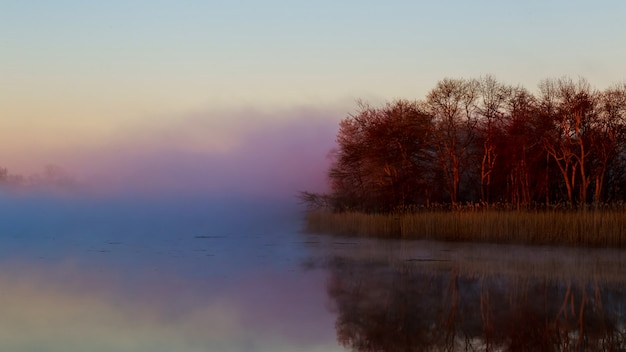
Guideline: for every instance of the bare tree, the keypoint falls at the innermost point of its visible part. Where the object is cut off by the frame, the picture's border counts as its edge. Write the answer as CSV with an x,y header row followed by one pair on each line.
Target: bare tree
x,y
522,149
492,99
571,107
347,173
380,161
452,105
606,135
481,140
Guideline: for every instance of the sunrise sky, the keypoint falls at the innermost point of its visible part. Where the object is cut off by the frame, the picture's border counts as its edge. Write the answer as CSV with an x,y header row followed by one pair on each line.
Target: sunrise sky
x,y
246,95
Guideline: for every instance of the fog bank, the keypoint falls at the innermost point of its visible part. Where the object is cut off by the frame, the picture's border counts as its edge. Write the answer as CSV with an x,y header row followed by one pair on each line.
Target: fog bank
x,y
215,153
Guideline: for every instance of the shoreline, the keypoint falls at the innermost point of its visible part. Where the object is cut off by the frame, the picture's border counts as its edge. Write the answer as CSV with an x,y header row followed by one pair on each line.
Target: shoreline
x,y
585,228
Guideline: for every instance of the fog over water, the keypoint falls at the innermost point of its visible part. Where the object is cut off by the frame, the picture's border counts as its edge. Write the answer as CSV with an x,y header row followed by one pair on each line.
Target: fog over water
x,y
157,273
155,151
166,242
149,272
249,152
173,248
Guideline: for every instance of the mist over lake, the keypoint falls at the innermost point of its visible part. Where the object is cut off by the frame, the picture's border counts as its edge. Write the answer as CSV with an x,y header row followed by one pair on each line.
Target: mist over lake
x,y
191,273
141,245
286,176
147,273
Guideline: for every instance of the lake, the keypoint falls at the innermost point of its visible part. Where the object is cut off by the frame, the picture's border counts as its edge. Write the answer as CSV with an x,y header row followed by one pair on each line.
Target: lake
x,y
166,273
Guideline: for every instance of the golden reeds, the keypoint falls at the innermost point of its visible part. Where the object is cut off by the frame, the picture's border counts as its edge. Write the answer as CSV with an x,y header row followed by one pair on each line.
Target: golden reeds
x,y
598,228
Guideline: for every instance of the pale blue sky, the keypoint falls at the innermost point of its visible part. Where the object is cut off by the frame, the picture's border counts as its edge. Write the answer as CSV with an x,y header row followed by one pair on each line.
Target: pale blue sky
x,y
75,72
290,52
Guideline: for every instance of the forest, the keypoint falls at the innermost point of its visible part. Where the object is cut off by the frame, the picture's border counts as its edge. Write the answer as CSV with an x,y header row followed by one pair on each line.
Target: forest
x,y
481,142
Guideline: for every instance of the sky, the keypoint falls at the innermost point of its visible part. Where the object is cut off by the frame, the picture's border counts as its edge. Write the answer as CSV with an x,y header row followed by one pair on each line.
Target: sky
x,y
245,96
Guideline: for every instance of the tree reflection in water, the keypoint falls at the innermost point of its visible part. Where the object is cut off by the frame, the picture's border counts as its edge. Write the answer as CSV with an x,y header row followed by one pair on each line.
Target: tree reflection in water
x,y
383,305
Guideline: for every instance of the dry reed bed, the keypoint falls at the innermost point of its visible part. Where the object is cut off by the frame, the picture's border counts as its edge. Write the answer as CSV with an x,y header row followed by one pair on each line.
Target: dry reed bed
x,y
598,228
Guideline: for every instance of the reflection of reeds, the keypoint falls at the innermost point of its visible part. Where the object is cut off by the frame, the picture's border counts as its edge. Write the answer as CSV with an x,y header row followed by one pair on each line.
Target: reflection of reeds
x,y
479,260
603,228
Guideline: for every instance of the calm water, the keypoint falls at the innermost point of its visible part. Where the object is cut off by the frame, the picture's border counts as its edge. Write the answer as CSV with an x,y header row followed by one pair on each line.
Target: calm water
x,y
184,274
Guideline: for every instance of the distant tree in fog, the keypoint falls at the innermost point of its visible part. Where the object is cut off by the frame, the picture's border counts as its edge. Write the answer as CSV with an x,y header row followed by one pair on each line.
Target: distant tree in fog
x,y
52,176
57,175
10,180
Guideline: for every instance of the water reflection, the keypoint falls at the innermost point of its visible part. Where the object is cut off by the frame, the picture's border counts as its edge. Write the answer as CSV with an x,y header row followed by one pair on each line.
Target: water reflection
x,y
176,274
67,308
182,274
425,296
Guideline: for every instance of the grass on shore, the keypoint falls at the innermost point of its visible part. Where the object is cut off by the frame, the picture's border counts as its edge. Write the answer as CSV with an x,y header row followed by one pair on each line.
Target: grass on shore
x,y
597,228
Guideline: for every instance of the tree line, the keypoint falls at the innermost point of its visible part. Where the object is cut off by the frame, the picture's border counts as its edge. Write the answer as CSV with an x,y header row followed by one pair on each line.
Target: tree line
x,y
51,175
481,141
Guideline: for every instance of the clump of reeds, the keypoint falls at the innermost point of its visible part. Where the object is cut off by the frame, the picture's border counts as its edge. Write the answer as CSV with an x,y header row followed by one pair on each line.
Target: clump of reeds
x,y
598,228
